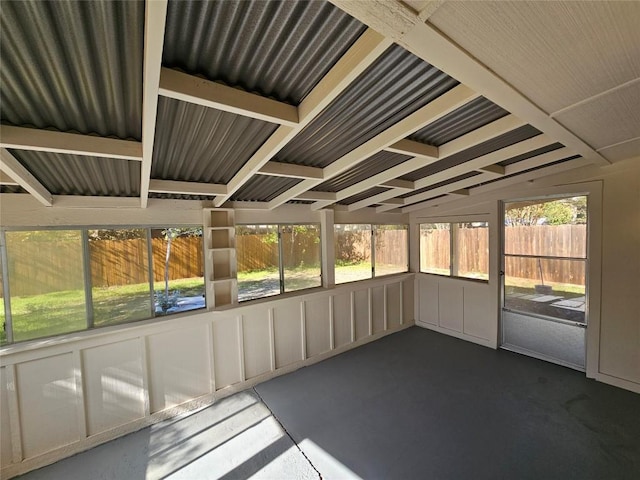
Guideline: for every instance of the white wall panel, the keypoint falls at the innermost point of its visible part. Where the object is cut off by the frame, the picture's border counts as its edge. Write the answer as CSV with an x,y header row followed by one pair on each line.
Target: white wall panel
x,y
113,385
408,310
257,342
342,319
90,387
377,301
317,326
428,297
179,366
450,305
5,428
393,305
227,353
361,307
288,333
48,404
479,317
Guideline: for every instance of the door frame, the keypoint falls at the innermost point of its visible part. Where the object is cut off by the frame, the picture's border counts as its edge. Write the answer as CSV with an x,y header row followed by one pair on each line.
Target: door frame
x,y
593,190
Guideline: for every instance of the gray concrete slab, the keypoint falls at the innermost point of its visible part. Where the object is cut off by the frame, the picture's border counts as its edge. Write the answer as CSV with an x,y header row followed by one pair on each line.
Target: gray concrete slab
x,y
413,405
235,438
418,404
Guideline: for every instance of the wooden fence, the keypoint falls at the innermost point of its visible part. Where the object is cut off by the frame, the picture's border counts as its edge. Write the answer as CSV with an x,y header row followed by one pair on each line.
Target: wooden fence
x,y
260,252
546,240
44,267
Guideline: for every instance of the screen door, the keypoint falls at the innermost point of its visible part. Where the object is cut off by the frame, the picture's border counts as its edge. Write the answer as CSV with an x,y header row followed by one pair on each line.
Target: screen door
x,y
544,278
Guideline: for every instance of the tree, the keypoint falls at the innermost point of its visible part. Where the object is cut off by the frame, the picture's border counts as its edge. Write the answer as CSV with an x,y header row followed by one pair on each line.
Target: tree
x,y
169,234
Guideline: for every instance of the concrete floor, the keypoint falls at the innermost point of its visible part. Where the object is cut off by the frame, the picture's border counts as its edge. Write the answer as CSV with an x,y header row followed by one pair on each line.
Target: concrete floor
x,y
416,404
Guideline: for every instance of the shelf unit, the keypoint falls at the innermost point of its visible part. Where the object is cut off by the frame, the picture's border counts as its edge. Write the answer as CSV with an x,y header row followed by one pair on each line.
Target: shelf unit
x,y
220,257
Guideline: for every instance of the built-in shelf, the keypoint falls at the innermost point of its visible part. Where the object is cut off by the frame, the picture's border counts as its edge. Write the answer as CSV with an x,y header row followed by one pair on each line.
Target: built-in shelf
x,y
220,264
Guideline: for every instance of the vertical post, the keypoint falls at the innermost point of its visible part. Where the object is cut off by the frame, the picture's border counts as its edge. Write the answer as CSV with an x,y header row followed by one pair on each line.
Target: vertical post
x,y
88,283
453,251
152,308
373,251
280,259
414,247
328,254
8,328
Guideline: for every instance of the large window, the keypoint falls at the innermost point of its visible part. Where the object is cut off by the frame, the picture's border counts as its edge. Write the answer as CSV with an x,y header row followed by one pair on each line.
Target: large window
x,y
365,251
46,283
273,259
455,249
61,281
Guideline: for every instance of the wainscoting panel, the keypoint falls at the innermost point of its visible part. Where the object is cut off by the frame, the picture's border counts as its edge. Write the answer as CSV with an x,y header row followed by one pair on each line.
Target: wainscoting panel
x,y
83,389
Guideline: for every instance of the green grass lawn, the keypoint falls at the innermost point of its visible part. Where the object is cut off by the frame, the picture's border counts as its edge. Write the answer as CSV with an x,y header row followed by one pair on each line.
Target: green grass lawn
x,y
37,316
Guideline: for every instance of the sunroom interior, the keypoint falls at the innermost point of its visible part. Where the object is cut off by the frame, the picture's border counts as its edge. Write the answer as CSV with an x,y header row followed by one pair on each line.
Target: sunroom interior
x,y
199,196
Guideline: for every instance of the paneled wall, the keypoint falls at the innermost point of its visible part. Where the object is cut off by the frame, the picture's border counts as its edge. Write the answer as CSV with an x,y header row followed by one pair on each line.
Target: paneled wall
x,y
462,308
63,395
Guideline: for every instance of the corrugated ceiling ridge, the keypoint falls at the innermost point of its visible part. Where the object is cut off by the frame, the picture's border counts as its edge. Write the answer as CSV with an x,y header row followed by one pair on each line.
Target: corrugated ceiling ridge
x,y
395,86
73,66
279,49
263,188
377,163
199,144
518,135
81,175
469,117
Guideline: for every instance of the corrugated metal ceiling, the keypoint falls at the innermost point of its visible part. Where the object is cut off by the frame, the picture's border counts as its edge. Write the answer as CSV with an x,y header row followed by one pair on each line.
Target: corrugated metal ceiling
x,y
81,175
200,144
362,195
177,196
73,66
377,163
573,157
396,85
12,189
533,153
509,138
441,184
465,119
263,188
278,49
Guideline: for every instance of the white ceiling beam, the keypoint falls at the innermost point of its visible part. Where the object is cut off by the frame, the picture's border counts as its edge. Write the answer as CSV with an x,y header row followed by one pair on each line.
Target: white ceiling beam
x,y
319,196
383,197
496,171
414,149
471,139
398,184
484,160
461,186
200,91
438,108
247,205
80,201
155,16
431,112
39,140
290,170
366,50
13,168
392,201
524,179
5,179
537,161
187,188
397,21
